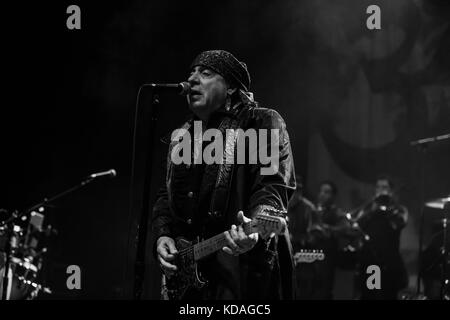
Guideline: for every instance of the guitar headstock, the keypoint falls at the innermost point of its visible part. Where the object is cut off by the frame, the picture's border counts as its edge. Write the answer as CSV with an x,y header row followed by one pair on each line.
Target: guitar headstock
x,y
266,225
274,212
308,256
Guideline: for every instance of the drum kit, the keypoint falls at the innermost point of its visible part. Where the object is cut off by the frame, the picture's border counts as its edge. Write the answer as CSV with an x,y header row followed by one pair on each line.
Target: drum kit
x,y
442,254
434,261
21,250
22,255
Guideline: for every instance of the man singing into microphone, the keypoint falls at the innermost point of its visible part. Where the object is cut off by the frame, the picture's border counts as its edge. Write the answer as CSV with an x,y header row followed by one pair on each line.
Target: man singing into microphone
x,y
202,200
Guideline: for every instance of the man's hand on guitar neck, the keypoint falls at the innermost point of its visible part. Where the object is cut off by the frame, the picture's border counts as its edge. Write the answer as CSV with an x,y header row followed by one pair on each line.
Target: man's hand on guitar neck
x,y
165,247
238,241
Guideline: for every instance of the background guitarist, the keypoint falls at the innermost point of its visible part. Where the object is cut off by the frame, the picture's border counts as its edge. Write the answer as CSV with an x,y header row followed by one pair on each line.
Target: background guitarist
x,y
201,200
325,225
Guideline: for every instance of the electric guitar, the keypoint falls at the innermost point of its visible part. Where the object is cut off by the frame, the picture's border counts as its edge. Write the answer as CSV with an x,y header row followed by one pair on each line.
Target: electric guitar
x,y
187,275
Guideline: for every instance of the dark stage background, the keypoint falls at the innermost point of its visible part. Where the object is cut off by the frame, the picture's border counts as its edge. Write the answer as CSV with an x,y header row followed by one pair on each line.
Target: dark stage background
x,y
352,99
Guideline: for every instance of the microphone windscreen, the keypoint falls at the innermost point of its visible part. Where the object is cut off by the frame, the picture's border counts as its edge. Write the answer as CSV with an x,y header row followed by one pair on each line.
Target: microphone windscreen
x,y
185,88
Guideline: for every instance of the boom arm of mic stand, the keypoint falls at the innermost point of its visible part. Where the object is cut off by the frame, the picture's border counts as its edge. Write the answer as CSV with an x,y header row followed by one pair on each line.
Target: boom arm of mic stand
x,y
62,194
46,201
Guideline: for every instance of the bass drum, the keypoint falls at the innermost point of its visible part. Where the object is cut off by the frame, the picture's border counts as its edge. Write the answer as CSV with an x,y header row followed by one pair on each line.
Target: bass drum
x,y
21,278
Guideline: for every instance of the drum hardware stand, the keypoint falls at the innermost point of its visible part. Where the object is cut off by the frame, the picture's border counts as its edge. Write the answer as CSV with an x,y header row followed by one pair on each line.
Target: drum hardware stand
x,y
445,255
422,145
12,242
10,249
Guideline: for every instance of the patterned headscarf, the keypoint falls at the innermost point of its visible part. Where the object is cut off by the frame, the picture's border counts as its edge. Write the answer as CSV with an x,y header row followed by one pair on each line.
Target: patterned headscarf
x,y
225,64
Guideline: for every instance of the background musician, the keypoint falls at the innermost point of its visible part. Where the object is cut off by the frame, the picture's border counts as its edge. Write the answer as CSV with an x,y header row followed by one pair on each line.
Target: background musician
x,y
299,219
299,216
324,227
383,220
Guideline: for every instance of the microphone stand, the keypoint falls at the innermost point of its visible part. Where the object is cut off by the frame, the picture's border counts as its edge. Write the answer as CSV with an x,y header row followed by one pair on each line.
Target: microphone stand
x,y
143,214
7,224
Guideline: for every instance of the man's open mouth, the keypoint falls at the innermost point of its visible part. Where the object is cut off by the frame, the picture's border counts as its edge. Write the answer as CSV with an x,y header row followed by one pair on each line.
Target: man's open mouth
x,y
195,93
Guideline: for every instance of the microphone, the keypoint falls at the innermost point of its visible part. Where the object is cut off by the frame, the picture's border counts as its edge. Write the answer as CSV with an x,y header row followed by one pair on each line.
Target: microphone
x,y
110,173
182,88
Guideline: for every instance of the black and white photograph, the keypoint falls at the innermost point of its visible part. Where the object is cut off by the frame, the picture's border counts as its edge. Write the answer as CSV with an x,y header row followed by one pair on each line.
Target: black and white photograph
x,y
226,156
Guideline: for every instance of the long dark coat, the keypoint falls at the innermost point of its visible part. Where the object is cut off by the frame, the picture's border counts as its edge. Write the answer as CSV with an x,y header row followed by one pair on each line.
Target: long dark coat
x,y
204,200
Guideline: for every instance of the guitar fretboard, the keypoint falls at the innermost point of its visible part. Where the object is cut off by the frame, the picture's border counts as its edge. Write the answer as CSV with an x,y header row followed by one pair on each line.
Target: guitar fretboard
x,y
211,245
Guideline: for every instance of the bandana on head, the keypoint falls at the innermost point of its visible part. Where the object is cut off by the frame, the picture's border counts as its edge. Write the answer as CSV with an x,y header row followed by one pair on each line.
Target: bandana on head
x,y
225,64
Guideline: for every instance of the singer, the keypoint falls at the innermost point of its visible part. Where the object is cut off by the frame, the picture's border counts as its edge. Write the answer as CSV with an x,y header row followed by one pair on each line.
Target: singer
x,y
202,200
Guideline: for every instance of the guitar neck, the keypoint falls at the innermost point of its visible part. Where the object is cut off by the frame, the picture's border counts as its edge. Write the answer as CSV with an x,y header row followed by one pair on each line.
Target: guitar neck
x,y
216,243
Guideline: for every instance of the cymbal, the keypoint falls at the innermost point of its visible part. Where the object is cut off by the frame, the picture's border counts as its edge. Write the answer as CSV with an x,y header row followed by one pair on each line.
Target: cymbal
x,y
438,203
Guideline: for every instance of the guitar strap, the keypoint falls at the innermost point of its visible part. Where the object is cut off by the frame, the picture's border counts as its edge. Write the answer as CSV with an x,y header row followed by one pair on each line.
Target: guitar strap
x,y
217,176
220,174
175,143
